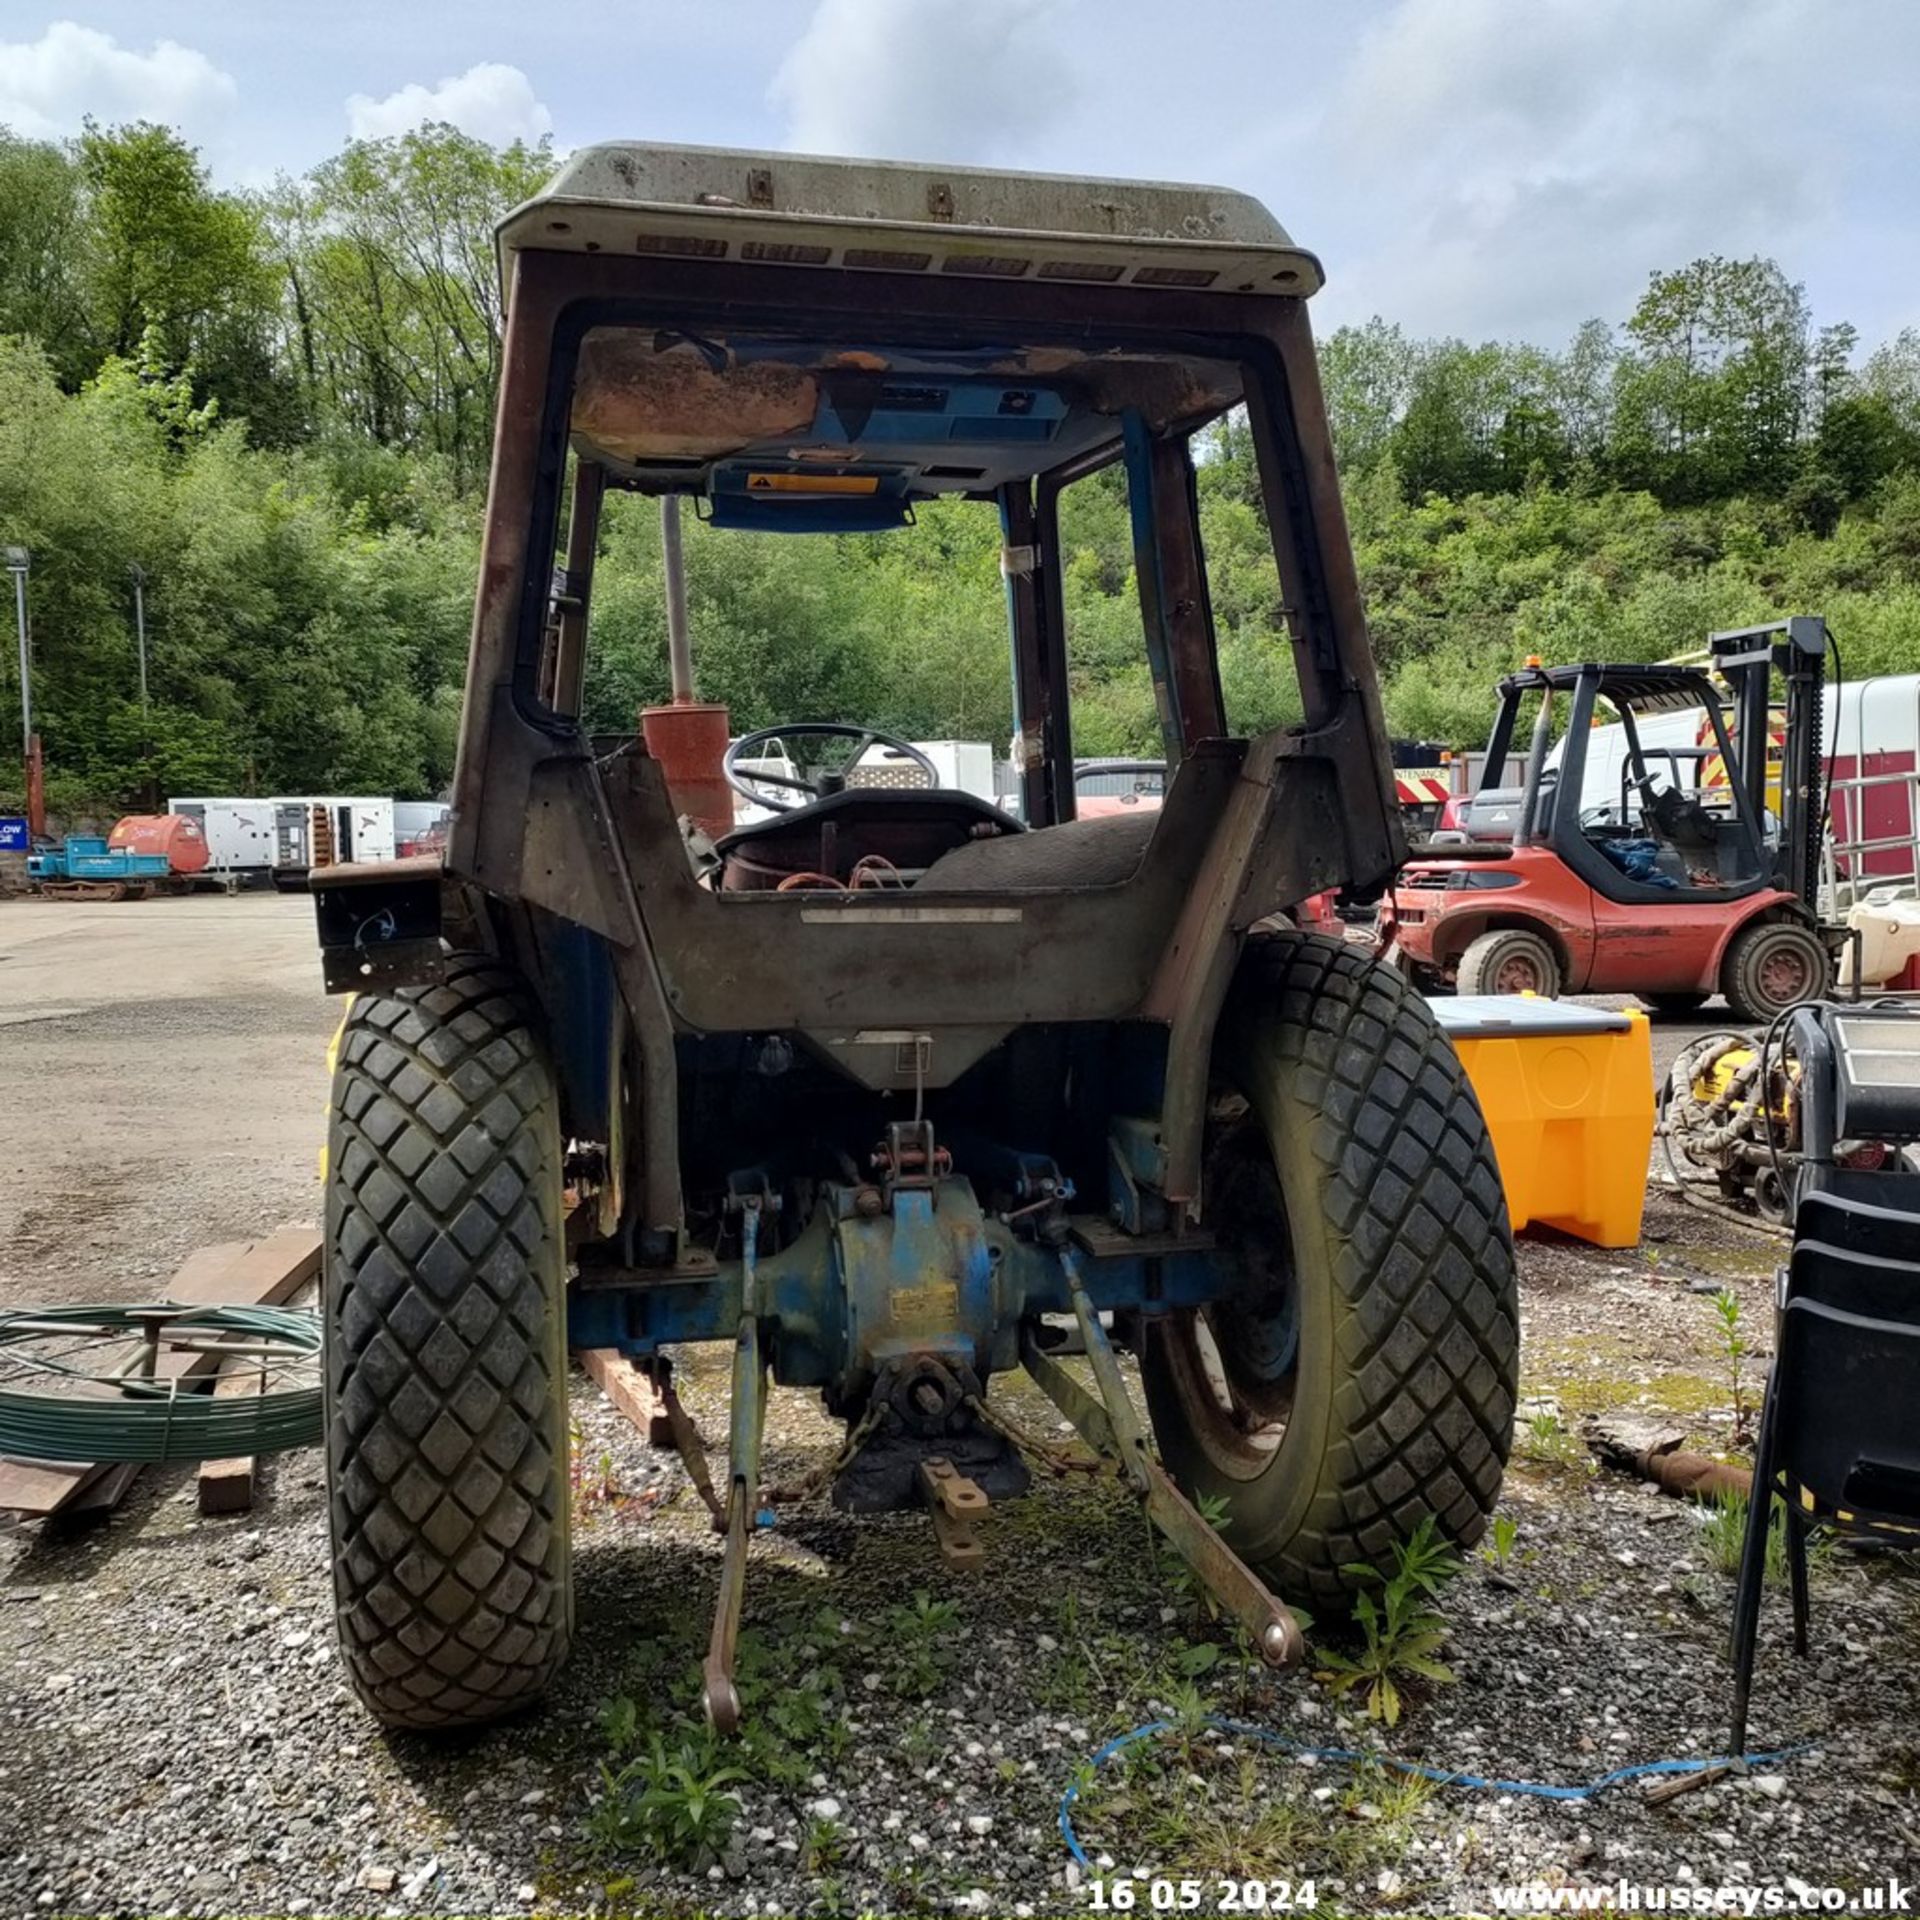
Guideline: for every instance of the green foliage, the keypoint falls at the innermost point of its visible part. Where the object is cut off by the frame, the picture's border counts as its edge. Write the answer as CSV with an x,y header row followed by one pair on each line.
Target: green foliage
x,y
1506,1531
922,1638
1401,1630
279,405
670,1803
1733,1343
1546,1440
1723,1533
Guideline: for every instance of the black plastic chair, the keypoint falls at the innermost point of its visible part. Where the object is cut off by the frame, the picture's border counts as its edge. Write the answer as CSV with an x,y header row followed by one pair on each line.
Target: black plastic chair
x,y
1839,1441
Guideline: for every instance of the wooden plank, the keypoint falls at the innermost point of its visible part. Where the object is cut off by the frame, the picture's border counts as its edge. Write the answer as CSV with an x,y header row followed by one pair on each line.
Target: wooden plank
x,y
262,1273
226,1486
267,1273
101,1492
631,1391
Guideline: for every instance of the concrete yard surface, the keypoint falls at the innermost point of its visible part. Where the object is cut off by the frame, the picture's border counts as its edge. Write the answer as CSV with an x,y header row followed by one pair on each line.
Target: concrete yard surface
x,y
162,1085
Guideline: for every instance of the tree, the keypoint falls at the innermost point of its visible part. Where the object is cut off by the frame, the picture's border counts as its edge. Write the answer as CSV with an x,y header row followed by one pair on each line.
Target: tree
x,y
1712,397
40,250
392,302
169,261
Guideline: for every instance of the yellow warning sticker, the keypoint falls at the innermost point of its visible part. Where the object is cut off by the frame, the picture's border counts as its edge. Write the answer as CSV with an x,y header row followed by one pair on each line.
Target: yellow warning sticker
x,y
813,483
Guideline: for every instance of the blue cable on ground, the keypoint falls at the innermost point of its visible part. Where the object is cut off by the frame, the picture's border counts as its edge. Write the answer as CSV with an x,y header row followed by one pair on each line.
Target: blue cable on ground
x,y
1354,1756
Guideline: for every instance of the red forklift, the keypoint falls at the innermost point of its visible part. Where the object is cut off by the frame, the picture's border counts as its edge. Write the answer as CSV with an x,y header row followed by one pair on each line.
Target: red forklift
x,y
1641,857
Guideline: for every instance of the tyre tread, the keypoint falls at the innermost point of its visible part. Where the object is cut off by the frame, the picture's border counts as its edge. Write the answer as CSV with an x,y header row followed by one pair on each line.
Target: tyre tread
x,y
1426,1303
446,1385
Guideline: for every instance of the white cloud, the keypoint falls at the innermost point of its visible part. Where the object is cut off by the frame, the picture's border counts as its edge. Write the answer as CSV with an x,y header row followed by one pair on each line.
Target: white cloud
x,y
1510,168
491,102
938,79
48,86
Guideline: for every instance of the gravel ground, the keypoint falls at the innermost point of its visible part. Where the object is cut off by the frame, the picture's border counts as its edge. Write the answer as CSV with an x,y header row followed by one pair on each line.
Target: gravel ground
x,y
176,1736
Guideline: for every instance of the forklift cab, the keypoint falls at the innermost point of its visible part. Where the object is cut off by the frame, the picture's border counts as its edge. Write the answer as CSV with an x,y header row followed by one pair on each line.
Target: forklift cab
x,y
1654,814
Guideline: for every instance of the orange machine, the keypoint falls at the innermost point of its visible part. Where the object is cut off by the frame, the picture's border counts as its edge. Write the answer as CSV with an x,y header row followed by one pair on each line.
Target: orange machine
x,y
176,835
1640,877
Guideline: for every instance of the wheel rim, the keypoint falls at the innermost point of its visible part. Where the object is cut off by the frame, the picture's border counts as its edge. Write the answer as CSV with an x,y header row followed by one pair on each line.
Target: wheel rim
x,y
1233,1362
1518,973
1785,974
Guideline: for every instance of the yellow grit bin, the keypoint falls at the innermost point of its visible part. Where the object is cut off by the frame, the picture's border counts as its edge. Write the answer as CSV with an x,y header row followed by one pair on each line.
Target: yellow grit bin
x,y
1568,1095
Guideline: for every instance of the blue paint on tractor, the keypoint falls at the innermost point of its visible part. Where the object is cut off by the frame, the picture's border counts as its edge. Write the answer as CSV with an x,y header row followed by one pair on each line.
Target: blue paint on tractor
x,y
853,1290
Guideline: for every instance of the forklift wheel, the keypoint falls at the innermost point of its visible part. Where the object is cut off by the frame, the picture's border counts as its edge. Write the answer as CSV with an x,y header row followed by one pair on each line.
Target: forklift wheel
x,y
1363,1376
445,1353
1510,960
1772,966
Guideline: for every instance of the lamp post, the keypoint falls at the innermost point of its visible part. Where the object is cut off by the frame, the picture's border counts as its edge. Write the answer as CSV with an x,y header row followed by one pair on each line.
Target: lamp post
x,y
137,575
139,579
19,561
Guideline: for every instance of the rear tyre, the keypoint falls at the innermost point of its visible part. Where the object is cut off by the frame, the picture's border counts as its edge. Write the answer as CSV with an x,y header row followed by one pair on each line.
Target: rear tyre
x,y
1673,1005
445,1353
1510,960
1773,966
1362,1374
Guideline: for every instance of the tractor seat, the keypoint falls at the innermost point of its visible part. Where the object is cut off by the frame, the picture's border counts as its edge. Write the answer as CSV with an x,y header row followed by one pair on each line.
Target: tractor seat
x,y
926,808
905,830
1078,853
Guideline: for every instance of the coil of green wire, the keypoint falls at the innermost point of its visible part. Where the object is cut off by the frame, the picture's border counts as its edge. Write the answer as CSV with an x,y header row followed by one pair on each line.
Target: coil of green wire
x,y
122,1415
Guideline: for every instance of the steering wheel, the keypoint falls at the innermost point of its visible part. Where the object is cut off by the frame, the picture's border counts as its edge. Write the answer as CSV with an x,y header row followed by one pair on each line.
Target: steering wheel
x,y
810,777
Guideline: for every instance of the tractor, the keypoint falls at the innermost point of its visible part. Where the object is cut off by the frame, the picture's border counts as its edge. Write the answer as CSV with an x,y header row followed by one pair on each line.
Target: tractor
x,y
1682,861
888,1088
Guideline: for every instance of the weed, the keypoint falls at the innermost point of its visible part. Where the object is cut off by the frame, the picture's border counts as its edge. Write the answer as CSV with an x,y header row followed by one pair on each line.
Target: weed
x,y
921,1633
1180,1578
919,1743
825,1845
1506,1530
619,1722
673,1805
1546,1441
1401,1631
1724,1534
1726,1303
1188,1712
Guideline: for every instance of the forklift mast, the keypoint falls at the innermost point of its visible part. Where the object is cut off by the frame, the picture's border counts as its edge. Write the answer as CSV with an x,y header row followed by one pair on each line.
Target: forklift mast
x,y
1745,658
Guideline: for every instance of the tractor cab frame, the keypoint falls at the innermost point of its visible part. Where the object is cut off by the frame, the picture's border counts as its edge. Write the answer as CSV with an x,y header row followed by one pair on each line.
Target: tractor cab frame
x,y
1681,862
880,1086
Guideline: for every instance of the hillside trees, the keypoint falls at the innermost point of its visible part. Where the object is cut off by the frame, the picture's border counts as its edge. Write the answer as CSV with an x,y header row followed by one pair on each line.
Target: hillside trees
x,y
278,405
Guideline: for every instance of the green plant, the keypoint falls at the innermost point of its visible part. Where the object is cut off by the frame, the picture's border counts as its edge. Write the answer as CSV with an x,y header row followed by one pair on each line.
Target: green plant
x,y
674,1805
1545,1439
1725,1531
1506,1530
825,1846
619,1721
1401,1631
1726,1303
1179,1576
920,1634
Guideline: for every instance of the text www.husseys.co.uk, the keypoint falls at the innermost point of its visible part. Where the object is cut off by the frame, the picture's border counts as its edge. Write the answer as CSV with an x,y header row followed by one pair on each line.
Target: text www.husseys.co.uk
x,y
1624,1896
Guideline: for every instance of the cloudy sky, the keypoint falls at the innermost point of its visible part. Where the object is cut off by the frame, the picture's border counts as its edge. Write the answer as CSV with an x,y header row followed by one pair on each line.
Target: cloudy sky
x,y
1489,167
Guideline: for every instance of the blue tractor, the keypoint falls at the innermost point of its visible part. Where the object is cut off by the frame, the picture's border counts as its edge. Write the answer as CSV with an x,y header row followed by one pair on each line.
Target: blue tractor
x,y
785,1044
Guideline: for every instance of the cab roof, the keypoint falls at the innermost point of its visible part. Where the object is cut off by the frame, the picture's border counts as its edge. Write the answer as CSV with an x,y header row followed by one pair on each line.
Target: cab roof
x,y
1649,689
806,211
